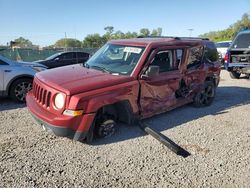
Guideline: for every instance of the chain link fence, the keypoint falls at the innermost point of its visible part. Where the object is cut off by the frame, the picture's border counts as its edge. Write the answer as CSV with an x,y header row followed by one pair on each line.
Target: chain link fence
x,y
29,55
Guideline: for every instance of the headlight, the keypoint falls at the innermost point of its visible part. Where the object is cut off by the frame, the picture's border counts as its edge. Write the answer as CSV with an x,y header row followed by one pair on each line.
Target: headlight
x,y
38,69
59,101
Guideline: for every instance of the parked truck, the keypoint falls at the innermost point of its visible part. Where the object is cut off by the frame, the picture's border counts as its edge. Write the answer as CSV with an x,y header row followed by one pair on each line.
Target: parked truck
x,y
237,59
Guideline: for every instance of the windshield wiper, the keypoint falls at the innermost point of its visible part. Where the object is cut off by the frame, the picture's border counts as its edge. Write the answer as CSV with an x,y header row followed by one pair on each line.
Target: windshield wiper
x,y
103,69
86,65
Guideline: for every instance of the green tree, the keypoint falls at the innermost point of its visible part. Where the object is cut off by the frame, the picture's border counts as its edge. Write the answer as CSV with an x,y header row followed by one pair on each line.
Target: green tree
x,y
156,32
144,32
23,43
109,29
93,41
129,35
68,43
118,35
96,40
231,31
109,32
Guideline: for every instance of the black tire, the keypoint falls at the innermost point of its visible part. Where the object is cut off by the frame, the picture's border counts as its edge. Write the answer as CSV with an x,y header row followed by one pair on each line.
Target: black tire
x,y
234,75
20,88
105,128
206,96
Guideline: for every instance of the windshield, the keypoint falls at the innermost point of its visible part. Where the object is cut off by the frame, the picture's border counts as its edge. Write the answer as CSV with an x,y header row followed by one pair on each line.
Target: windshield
x,y
52,57
115,59
242,41
222,44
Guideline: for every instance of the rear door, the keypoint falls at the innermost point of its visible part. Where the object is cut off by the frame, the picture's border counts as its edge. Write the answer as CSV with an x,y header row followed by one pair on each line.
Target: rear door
x,y
158,93
194,72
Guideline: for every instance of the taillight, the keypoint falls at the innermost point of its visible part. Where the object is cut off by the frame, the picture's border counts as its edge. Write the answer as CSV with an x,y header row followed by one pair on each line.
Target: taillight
x,y
226,58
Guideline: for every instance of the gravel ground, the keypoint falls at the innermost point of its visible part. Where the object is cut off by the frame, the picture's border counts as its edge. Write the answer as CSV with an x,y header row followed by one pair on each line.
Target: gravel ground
x,y
218,138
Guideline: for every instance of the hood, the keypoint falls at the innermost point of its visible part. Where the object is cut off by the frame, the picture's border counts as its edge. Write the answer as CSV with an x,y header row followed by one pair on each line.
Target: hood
x,y
76,79
38,61
31,64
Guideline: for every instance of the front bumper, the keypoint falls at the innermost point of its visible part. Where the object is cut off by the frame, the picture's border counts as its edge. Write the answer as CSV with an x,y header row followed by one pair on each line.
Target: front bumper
x,y
61,125
231,66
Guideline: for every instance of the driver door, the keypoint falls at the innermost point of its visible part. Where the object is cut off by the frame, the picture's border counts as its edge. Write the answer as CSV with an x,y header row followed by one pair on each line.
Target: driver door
x,y
158,92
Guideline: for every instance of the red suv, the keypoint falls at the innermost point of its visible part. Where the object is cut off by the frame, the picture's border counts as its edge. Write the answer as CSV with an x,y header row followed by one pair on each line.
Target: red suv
x,y
125,81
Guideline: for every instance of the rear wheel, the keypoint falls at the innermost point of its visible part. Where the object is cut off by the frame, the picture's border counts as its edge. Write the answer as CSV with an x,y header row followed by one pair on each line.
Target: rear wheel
x,y
234,75
20,88
206,96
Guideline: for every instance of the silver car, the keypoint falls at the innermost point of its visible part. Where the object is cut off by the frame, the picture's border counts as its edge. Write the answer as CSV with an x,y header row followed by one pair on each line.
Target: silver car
x,y
16,78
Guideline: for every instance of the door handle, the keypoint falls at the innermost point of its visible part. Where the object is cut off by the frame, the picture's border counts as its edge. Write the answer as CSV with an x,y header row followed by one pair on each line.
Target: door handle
x,y
174,79
7,70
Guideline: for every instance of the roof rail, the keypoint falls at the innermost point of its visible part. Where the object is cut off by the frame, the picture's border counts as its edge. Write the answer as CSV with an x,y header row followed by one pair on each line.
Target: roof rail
x,y
173,37
193,38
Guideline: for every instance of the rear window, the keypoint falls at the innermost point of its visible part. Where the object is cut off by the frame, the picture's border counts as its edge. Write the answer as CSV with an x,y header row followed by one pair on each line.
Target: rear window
x,y
82,55
242,41
211,53
223,44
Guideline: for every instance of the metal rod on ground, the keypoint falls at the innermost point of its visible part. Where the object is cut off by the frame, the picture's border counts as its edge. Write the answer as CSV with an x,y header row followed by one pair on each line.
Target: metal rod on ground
x,y
165,141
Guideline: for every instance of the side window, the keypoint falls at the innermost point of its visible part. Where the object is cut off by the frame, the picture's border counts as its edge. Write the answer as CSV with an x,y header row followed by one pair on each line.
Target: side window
x,y
60,57
68,56
211,53
195,56
179,56
3,63
164,59
82,55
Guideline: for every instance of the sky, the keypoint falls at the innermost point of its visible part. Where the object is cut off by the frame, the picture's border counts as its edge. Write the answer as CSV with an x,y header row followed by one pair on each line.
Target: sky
x,y
45,21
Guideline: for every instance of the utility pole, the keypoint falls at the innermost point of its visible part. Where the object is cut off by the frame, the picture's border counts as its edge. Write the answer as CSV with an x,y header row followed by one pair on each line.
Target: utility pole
x,y
190,32
65,37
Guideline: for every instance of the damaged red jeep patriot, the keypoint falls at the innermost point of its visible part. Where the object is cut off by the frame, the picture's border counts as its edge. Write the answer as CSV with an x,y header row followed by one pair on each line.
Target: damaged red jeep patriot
x,y
124,81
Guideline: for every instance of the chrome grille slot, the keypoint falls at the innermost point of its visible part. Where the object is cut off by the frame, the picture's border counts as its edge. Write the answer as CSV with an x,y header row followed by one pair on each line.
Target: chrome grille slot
x,y
41,95
48,99
44,97
37,93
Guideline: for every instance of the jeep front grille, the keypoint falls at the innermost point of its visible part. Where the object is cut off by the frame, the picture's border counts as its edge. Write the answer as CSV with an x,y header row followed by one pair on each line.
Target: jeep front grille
x,y
41,95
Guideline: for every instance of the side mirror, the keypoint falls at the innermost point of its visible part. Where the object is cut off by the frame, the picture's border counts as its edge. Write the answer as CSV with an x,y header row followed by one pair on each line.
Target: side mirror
x,y
57,59
152,71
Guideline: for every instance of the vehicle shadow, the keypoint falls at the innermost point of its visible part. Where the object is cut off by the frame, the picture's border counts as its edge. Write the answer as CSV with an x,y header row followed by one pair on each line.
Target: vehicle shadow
x,y
8,104
227,97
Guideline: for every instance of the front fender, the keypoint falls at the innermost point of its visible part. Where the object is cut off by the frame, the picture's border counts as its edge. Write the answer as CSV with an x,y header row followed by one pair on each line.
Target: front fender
x,y
92,101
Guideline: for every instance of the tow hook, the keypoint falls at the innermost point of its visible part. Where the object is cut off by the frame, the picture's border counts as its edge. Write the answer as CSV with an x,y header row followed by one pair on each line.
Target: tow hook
x,y
165,141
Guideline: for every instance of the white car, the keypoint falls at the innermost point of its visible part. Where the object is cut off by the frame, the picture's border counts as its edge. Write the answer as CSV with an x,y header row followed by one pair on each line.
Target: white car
x,y
222,48
16,78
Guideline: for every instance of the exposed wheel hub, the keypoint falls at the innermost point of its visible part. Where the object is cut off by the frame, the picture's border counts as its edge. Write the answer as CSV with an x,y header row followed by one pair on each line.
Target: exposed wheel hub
x,y
106,129
22,89
207,95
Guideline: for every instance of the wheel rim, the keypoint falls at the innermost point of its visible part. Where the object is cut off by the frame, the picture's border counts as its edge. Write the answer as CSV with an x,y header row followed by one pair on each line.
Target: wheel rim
x,y
207,95
106,130
22,89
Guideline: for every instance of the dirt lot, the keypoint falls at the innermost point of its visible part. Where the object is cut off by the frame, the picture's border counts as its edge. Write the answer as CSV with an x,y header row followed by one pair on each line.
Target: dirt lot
x,y
218,138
